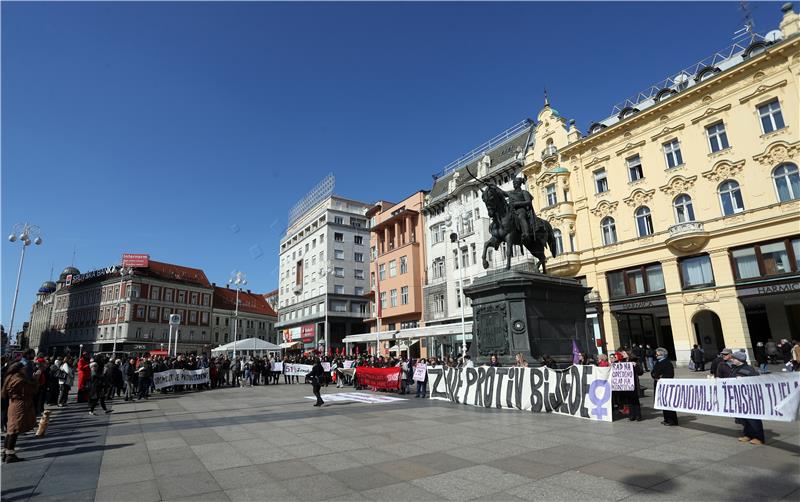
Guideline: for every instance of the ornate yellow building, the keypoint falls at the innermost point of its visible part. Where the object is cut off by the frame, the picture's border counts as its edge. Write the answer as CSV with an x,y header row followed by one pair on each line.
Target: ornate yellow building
x,y
682,209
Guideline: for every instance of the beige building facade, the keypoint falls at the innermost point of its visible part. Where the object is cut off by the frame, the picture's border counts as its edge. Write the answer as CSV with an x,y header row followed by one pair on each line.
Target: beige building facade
x,y
682,209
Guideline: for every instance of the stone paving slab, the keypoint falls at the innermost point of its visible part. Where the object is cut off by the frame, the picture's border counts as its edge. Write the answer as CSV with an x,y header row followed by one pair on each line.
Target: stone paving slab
x,y
269,443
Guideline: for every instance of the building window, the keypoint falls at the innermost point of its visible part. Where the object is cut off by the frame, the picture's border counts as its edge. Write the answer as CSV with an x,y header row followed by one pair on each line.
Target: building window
x,y
609,230
358,257
550,194
140,311
393,298
730,197
437,233
771,116
392,268
338,289
165,313
359,274
696,272
359,291
181,296
383,299
600,181
339,220
404,295
403,264
438,304
559,242
683,208
787,182
634,168
358,240
382,271
761,260
438,268
644,222
338,237
474,254
194,299
338,254
193,316
672,152
717,137
338,272
636,281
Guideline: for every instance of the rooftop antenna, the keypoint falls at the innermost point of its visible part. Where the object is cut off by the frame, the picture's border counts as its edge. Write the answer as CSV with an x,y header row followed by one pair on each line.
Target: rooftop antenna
x,y
74,250
546,100
749,24
51,272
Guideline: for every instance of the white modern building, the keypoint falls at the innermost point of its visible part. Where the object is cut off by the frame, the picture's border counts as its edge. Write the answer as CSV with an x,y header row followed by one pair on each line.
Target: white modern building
x,y
324,273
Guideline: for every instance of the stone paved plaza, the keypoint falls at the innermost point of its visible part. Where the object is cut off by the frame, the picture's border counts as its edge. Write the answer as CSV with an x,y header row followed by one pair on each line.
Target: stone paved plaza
x,y
270,443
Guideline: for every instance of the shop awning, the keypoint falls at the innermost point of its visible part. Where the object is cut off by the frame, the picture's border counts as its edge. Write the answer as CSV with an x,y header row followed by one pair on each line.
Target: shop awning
x,y
289,345
437,330
370,337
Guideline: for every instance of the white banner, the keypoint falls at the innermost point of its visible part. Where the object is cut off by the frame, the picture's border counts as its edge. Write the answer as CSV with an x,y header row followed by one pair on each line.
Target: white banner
x,y
579,391
349,364
420,372
764,397
361,397
296,369
180,377
326,366
622,377
277,366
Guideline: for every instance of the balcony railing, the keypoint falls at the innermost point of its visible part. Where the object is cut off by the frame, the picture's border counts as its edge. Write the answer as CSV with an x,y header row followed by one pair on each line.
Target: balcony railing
x,y
550,151
687,227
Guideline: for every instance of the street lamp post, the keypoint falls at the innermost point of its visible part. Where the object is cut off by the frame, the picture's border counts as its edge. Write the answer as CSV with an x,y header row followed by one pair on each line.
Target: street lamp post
x,y
24,232
455,240
123,272
238,279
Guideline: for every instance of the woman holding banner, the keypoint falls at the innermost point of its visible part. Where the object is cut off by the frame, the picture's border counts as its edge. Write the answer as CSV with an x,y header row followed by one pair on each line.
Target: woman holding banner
x,y
663,369
753,432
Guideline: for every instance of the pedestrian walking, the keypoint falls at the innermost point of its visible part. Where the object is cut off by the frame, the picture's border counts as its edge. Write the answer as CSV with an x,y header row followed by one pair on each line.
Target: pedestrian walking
x,y
316,376
98,387
20,391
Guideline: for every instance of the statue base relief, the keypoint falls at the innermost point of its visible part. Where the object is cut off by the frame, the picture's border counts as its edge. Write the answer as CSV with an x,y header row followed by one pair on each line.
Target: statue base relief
x,y
524,312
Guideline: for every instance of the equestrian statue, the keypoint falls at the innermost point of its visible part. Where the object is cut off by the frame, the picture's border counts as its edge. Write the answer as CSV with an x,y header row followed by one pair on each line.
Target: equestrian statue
x,y
515,223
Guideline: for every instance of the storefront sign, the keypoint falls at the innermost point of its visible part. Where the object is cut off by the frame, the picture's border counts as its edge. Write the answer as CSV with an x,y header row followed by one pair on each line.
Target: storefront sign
x,y
764,397
638,305
135,260
579,391
101,272
771,289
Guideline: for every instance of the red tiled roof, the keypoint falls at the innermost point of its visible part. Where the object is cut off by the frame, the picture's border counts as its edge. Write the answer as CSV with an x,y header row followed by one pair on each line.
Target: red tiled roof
x,y
225,298
178,273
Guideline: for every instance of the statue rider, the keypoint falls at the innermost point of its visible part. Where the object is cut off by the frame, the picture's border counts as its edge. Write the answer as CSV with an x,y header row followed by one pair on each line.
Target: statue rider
x,y
521,203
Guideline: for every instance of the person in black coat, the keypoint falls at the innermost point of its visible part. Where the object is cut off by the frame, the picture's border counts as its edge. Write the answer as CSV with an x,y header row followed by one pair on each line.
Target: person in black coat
x,y
663,369
631,398
316,376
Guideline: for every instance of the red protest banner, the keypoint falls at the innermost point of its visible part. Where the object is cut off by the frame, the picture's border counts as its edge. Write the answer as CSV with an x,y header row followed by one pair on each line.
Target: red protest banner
x,y
380,378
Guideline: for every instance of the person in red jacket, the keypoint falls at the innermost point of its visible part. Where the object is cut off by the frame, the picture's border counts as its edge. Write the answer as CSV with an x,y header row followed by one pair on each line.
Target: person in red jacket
x,y
84,377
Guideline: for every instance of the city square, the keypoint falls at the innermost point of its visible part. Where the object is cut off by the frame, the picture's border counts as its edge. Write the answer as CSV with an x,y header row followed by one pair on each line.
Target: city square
x,y
400,251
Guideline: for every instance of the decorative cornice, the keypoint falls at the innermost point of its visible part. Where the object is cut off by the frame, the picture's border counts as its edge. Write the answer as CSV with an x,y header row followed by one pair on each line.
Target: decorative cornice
x,y
778,152
711,111
639,196
761,89
604,208
723,170
667,130
630,146
678,184
596,160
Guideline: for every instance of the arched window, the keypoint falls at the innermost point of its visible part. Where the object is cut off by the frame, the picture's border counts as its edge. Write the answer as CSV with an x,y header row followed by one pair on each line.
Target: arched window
x,y
683,208
559,242
730,197
609,230
787,182
644,222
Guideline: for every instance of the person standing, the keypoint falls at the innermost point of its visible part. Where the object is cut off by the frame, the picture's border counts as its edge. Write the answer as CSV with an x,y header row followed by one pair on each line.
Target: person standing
x,y
65,379
698,358
316,375
721,366
20,391
422,386
753,432
663,369
98,387
631,398
796,355
761,357
649,355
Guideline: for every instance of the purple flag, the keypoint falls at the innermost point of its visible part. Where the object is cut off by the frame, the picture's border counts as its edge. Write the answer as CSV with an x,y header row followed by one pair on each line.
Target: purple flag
x,y
576,353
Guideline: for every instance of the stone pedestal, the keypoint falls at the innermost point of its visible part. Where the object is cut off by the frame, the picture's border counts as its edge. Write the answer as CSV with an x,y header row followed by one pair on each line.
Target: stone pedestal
x,y
517,311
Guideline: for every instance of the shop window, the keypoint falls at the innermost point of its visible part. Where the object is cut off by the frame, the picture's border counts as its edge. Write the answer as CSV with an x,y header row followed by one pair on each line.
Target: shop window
x,y
683,208
609,230
730,198
696,272
636,281
787,182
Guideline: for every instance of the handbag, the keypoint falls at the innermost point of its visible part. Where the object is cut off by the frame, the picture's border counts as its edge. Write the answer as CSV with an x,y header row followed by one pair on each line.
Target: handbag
x,y
691,365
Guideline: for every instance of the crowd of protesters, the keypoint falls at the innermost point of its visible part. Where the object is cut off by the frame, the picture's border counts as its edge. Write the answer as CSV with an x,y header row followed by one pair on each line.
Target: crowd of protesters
x,y
30,383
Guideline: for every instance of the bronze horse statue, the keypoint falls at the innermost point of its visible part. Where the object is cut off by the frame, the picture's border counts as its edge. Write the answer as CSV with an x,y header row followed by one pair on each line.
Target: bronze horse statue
x,y
505,228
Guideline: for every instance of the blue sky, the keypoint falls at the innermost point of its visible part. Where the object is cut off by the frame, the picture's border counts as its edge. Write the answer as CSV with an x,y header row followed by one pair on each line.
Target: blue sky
x,y
188,130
